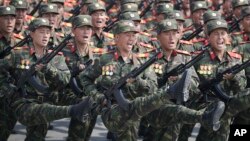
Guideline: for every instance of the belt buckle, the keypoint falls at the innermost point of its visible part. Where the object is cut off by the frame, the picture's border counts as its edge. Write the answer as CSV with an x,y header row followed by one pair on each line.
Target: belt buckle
x,y
40,98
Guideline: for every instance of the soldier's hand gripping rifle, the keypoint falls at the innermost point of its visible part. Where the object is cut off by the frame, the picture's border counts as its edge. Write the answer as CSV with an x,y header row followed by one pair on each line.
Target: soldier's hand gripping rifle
x,y
180,68
7,50
34,10
28,75
123,102
73,82
214,83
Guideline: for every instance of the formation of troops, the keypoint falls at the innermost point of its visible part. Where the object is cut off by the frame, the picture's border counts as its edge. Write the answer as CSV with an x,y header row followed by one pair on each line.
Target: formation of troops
x,y
149,68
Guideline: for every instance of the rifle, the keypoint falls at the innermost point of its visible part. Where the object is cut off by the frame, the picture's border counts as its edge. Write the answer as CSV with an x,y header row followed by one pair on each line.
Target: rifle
x,y
7,50
27,76
110,26
180,68
234,25
36,8
213,84
122,81
73,82
193,34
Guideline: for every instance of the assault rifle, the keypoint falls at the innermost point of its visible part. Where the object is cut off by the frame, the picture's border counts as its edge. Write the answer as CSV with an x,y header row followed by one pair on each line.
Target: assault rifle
x,y
180,68
28,75
234,25
122,81
7,50
73,82
214,83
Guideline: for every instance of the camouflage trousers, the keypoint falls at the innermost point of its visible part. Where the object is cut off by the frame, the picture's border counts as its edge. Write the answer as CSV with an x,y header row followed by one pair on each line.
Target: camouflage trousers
x,y
166,121
125,123
239,103
35,116
7,119
77,131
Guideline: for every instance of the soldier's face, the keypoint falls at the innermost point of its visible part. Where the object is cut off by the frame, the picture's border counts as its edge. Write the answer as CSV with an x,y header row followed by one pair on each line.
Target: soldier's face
x,y
126,41
237,11
82,34
197,16
218,39
246,23
99,19
84,9
227,7
168,39
159,17
20,15
7,24
186,4
181,28
52,17
40,36
60,8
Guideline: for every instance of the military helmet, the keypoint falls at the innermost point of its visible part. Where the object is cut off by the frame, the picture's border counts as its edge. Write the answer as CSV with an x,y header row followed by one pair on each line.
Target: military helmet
x,y
7,10
211,15
81,20
124,26
134,16
167,25
48,8
215,24
197,5
129,7
19,4
95,7
39,22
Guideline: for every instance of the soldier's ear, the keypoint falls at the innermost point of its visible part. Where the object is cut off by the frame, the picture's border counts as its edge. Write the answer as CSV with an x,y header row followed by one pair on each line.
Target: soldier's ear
x,y
116,38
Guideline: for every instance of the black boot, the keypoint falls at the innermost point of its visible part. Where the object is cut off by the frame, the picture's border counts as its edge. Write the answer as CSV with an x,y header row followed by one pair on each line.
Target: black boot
x,y
82,110
212,115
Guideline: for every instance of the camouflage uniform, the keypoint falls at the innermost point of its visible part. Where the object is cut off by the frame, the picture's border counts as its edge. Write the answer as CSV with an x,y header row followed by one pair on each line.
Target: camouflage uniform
x,y
77,129
207,68
8,119
109,69
31,111
104,38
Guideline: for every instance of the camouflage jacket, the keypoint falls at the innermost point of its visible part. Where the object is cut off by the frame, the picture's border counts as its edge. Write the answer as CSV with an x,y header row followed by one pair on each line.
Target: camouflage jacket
x,y
239,37
107,70
103,40
211,65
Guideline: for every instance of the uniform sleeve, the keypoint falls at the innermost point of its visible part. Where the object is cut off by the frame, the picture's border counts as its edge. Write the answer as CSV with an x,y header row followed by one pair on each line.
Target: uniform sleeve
x,y
57,71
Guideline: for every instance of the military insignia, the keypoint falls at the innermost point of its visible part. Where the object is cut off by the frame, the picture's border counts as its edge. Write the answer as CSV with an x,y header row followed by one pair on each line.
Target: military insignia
x,y
51,7
97,5
132,15
205,69
167,6
108,70
85,20
218,23
158,68
129,6
177,15
8,8
20,2
200,5
214,14
169,23
43,20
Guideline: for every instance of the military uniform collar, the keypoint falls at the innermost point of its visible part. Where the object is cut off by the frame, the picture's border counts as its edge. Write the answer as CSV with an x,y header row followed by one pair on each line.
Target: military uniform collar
x,y
132,58
213,56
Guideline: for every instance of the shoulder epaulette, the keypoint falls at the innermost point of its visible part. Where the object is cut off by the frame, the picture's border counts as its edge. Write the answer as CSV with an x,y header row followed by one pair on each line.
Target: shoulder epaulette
x,y
148,19
59,34
67,4
198,40
237,33
196,52
29,18
66,24
59,53
146,34
182,52
112,43
110,35
153,39
142,55
234,55
113,10
21,48
18,36
186,42
99,50
67,14
25,27
146,45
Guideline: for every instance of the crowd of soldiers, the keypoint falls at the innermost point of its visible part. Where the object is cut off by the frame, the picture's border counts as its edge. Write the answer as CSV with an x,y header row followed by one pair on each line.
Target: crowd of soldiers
x,y
149,68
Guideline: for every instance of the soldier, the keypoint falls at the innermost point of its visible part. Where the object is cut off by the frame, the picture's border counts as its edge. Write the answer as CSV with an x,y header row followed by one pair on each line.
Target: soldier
x,y
7,20
227,10
197,8
81,52
31,111
98,13
216,60
237,6
123,119
50,12
21,12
